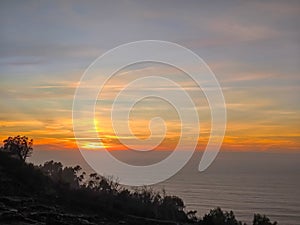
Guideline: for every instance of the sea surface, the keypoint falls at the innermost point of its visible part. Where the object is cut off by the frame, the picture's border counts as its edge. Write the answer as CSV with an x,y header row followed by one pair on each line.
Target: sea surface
x,y
244,182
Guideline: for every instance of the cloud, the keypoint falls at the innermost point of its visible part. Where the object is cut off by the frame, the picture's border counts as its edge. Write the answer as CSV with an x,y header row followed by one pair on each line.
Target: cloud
x,y
253,48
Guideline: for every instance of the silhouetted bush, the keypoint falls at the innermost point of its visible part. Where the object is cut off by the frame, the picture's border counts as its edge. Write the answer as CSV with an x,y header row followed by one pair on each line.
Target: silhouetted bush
x,y
218,217
27,177
63,175
262,220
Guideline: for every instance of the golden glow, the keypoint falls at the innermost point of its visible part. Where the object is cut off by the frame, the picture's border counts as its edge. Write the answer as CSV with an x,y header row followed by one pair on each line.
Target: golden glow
x,y
254,123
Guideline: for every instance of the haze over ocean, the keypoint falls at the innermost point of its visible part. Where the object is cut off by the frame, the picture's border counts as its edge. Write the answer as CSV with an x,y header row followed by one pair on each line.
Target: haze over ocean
x,y
245,182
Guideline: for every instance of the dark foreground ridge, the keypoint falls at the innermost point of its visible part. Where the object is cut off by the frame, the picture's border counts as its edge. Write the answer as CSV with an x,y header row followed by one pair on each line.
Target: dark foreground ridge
x,y
53,194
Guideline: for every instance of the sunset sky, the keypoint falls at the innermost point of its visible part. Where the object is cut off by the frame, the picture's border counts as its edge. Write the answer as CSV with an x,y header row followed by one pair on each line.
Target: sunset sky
x,y
253,47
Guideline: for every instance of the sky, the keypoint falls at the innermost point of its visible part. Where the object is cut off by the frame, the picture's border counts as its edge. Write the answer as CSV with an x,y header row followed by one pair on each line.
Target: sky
x,y
253,48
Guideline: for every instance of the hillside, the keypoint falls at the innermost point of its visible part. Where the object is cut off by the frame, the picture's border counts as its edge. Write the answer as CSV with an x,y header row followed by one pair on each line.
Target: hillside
x,y
27,196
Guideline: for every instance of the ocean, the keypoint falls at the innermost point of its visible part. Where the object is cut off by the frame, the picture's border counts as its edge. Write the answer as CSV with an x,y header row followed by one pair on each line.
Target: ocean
x,y
244,182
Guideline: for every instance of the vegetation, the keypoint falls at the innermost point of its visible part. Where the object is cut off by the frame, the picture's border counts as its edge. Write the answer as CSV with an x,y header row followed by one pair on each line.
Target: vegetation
x,y
262,220
106,194
218,217
19,146
72,188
